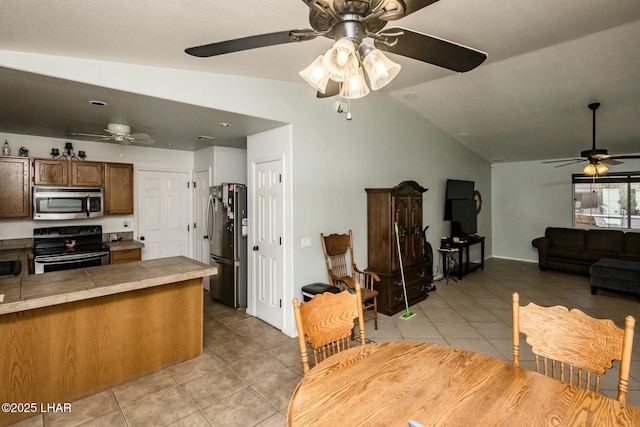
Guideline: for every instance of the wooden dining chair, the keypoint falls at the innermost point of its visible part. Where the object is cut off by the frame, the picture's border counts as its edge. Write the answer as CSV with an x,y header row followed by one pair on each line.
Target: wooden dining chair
x,y
571,346
326,324
341,266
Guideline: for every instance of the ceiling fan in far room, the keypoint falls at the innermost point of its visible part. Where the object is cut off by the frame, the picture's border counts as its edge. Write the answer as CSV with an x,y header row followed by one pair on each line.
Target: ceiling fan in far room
x,y
342,68
118,133
597,157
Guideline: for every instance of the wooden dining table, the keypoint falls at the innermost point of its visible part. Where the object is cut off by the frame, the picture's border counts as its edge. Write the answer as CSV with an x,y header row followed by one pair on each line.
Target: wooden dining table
x,y
390,383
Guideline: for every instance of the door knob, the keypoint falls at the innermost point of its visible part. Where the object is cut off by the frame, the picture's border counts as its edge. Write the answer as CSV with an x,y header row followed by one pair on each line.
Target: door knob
x,y
256,247
141,237
206,237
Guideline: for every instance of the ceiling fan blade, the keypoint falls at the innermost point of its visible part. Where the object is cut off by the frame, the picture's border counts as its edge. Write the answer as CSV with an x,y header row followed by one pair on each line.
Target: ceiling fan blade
x,y
611,161
570,163
410,6
630,156
333,88
563,161
251,42
92,135
139,136
430,49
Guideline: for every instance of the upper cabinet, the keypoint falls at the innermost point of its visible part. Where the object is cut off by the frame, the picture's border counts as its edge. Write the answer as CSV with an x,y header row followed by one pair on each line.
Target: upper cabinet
x,y
50,172
86,174
15,197
118,188
75,173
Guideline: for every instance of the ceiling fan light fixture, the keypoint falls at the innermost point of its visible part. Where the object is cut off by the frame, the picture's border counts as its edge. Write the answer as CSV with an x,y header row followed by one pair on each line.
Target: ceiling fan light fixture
x,y
340,62
601,169
355,87
314,75
590,169
380,69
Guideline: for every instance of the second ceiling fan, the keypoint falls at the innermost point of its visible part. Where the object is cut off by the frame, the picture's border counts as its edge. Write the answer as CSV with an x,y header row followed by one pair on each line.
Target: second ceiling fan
x,y
597,157
342,69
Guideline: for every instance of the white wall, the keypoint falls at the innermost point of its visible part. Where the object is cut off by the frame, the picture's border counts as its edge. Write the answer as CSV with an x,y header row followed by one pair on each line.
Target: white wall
x,y
224,164
527,197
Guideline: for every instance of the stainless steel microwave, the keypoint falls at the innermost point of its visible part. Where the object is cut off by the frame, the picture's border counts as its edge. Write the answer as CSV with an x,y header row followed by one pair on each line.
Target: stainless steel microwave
x,y
67,202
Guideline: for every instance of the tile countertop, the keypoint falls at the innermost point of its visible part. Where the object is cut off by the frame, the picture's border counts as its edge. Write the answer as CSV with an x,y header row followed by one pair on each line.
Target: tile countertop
x,y
26,292
124,245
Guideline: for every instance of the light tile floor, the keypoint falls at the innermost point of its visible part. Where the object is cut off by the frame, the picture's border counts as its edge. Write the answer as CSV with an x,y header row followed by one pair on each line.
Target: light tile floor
x,y
248,369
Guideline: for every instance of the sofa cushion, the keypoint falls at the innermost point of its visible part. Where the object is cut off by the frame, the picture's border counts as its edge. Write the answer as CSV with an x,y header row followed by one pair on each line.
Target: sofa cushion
x,y
567,238
593,256
605,240
632,243
563,252
629,257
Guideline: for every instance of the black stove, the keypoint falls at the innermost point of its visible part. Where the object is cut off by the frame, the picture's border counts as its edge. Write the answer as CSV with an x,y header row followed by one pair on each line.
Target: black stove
x,y
64,248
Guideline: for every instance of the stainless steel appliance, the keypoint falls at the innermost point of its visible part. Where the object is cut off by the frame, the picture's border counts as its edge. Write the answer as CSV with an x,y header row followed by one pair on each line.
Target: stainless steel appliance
x,y
227,234
66,248
67,202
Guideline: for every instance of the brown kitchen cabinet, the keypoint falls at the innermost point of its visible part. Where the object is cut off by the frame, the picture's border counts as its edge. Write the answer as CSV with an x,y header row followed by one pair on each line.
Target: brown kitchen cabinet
x,y
50,172
118,188
74,173
385,207
85,174
126,255
15,195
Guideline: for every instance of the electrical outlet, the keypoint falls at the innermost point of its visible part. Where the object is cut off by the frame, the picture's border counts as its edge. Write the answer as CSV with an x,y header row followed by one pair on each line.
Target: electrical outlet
x,y
125,223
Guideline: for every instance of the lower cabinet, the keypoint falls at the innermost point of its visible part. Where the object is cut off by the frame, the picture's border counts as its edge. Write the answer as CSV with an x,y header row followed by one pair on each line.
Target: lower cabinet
x,y
391,294
126,255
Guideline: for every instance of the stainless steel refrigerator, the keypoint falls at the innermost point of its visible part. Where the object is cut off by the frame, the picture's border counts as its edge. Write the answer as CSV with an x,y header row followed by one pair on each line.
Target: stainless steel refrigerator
x,y
227,232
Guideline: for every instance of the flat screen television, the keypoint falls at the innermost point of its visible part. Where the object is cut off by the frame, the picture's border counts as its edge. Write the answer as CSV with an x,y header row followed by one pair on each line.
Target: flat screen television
x,y
456,190
464,219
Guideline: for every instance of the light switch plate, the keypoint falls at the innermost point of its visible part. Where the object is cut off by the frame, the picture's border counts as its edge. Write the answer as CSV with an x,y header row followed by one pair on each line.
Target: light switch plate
x,y
305,242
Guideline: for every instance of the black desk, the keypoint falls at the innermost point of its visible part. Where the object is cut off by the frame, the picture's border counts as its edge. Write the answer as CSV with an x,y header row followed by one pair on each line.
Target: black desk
x,y
463,253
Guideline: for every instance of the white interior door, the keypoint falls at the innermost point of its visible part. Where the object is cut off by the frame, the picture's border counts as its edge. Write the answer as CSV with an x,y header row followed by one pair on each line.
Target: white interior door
x,y
267,242
201,198
163,213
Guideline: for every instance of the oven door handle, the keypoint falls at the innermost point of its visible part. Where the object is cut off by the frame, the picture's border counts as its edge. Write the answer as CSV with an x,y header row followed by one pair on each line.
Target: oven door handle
x,y
68,257
88,206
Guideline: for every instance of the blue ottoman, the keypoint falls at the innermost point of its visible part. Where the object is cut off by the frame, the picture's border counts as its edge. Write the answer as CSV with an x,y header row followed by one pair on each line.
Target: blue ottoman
x,y
615,274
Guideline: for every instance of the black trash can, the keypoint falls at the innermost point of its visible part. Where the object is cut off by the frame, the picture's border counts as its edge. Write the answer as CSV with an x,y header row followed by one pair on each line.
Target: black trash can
x,y
309,291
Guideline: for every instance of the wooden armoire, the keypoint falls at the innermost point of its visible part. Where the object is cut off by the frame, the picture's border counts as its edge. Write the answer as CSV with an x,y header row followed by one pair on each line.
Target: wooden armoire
x,y
385,206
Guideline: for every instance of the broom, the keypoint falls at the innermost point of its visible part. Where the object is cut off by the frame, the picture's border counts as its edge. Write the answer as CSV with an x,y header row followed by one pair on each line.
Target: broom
x,y
407,314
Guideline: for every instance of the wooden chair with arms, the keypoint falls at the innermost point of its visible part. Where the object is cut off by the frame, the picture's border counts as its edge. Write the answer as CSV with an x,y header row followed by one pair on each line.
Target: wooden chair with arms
x,y
341,266
326,323
571,346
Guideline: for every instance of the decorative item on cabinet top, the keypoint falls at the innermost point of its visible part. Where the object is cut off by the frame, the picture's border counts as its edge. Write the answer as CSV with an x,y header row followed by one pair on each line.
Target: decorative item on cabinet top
x,y
67,153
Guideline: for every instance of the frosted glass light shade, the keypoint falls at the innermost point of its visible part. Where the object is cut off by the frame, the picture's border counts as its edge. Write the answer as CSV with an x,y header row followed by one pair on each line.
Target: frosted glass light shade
x,y
355,86
314,75
380,69
340,62
597,170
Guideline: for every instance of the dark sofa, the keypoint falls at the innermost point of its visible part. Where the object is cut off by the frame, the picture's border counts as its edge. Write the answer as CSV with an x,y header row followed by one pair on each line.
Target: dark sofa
x,y
574,250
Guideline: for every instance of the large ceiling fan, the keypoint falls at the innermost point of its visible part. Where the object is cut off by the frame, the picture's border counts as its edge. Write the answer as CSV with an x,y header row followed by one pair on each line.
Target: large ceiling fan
x,y
118,133
342,69
597,157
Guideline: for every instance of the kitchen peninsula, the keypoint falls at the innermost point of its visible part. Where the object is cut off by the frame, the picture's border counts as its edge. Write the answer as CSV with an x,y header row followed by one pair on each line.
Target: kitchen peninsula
x,y
67,334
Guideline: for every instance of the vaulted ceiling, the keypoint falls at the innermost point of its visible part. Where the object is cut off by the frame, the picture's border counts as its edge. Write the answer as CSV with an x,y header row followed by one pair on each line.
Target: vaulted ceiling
x,y
547,61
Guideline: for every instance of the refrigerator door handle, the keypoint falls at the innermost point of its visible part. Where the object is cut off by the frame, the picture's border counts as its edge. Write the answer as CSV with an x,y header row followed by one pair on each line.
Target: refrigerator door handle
x,y
209,214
